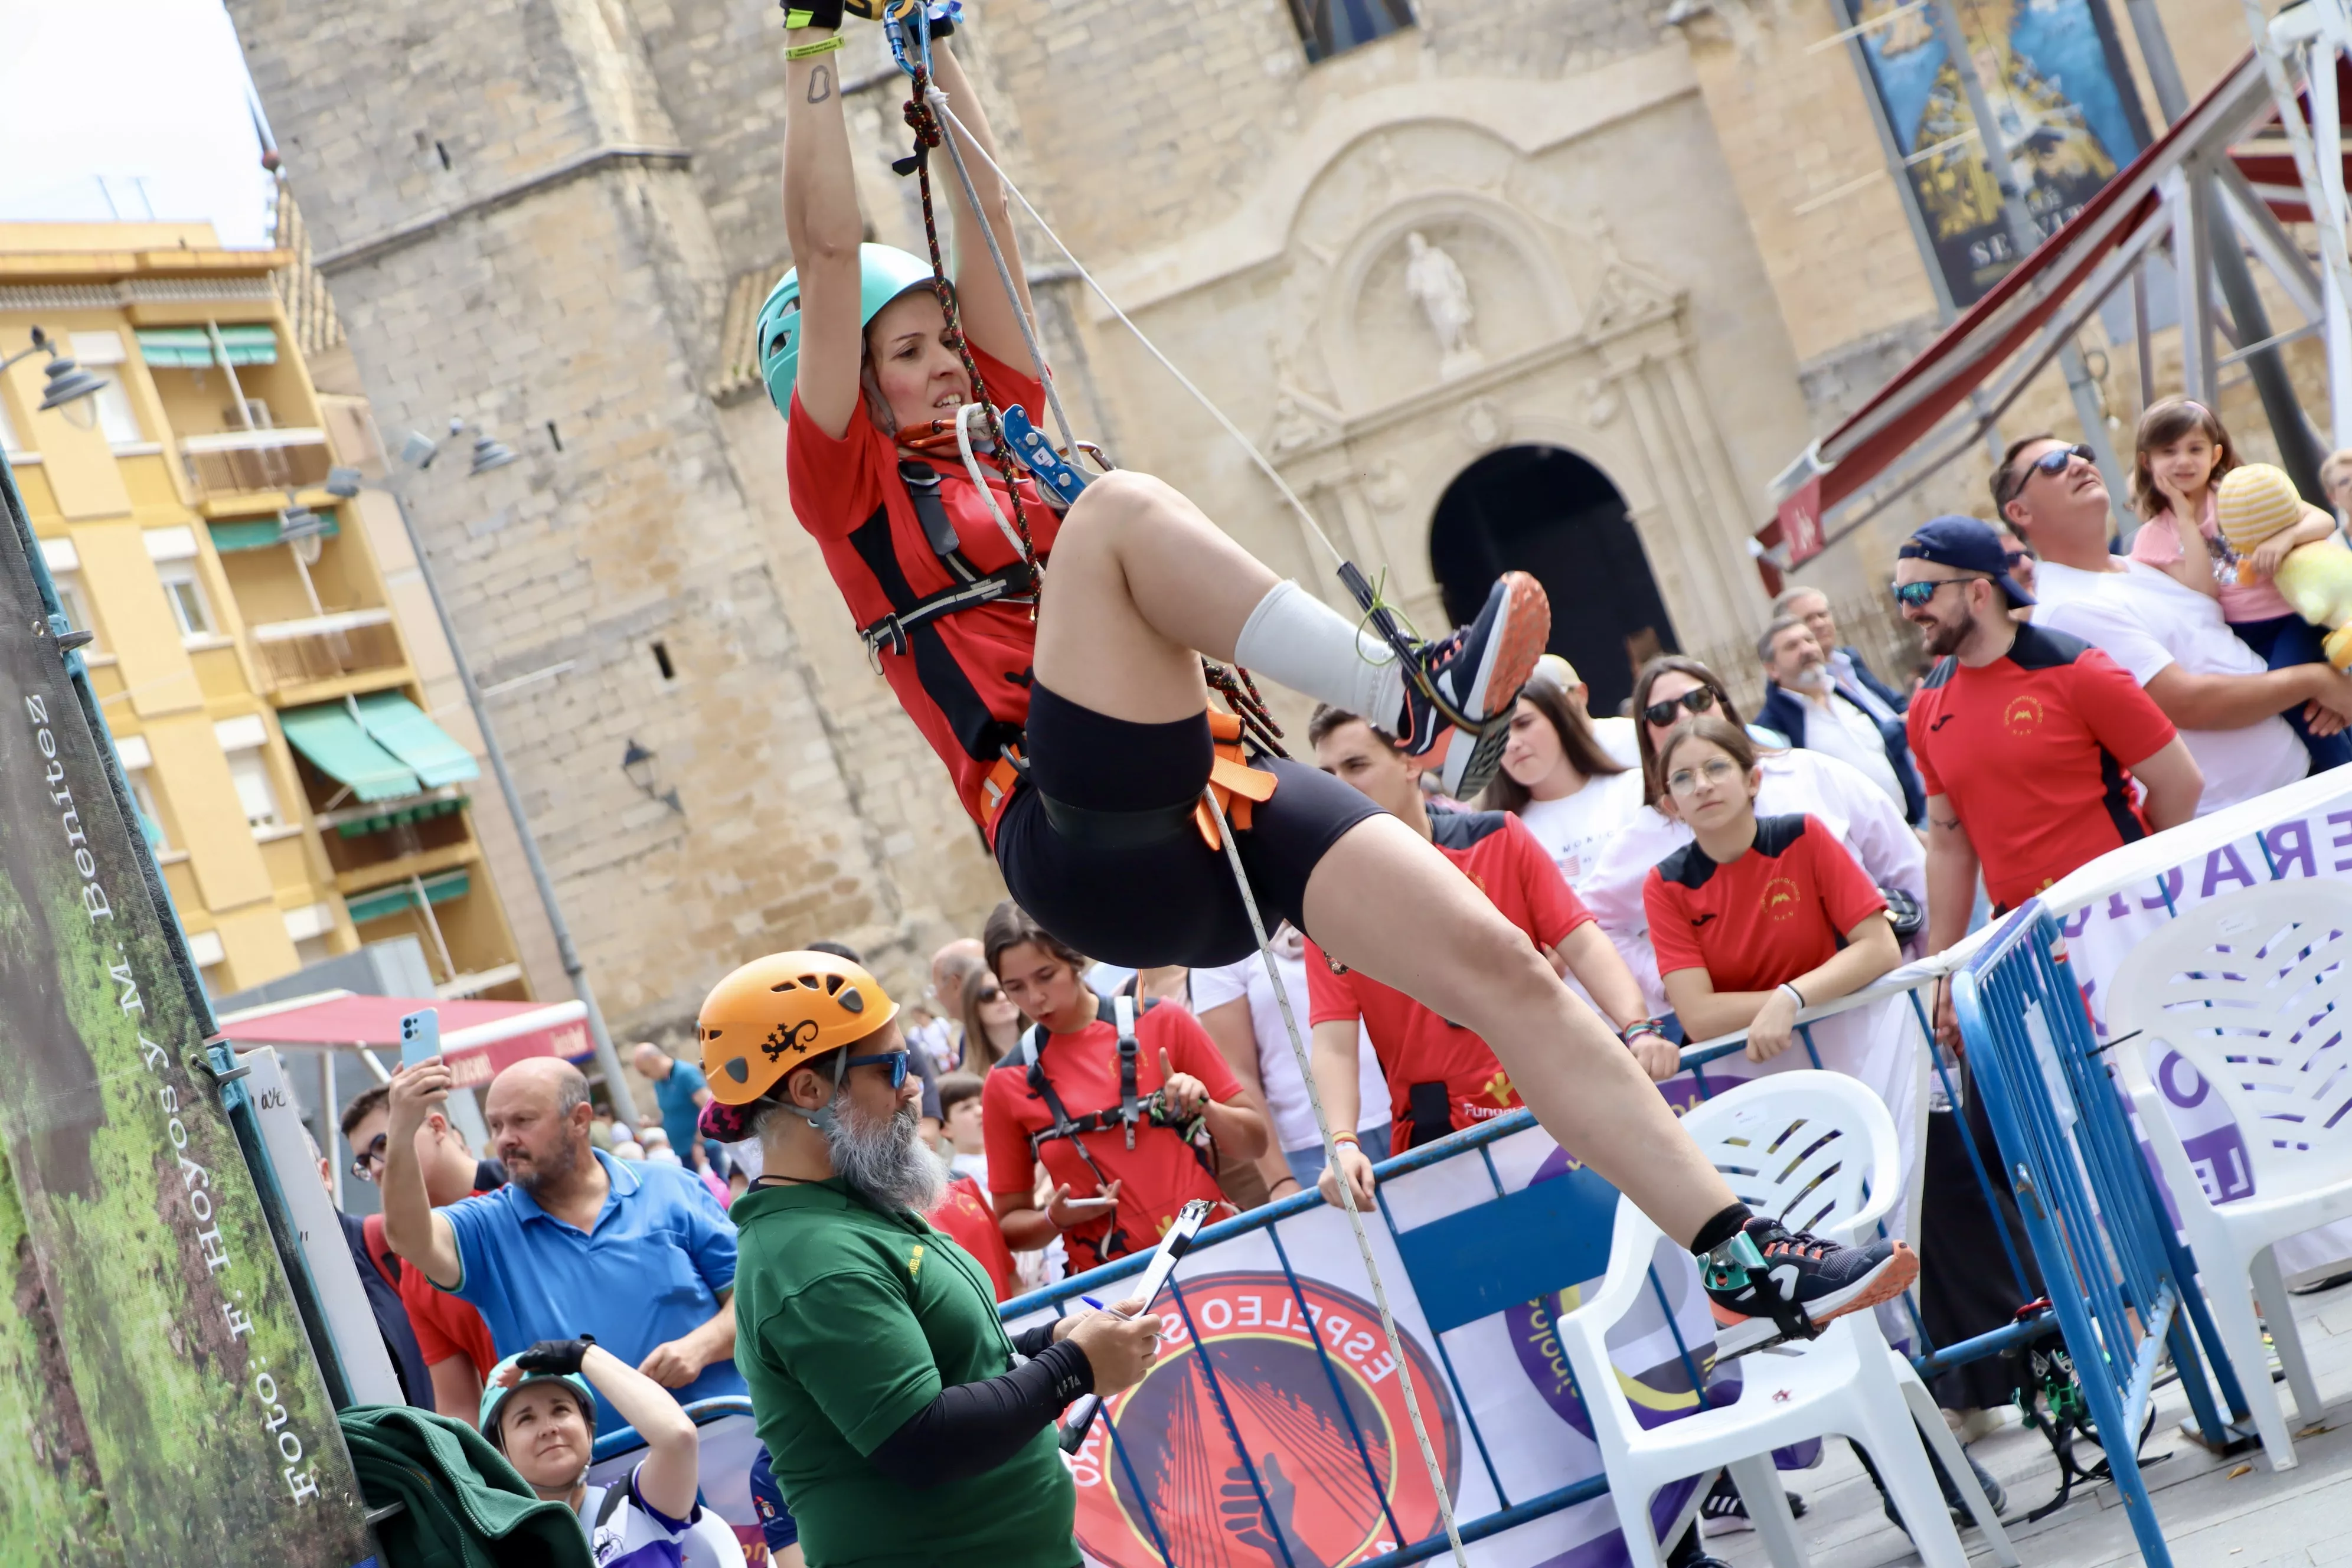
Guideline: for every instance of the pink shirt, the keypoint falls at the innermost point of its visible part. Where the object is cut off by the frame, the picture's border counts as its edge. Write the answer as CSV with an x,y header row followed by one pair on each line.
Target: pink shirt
x,y
2157,543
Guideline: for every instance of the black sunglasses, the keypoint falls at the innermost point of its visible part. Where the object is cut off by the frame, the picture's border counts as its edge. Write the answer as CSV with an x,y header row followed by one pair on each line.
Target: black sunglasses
x,y
363,1164
1698,700
2052,463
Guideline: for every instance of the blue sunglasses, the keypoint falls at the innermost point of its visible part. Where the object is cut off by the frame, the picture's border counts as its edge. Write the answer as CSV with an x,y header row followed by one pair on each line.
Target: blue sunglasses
x,y
897,1060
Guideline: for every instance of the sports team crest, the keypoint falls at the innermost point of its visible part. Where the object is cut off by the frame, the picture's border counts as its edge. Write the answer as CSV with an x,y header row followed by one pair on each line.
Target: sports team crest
x,y
1310,1451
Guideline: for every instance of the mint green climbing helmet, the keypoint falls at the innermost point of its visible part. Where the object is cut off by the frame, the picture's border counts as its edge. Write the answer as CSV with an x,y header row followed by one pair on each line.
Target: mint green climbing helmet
x,y
884,272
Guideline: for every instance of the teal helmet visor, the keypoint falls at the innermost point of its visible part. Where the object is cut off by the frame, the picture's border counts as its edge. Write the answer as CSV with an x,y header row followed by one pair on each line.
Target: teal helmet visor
x,y
884,272
494,1398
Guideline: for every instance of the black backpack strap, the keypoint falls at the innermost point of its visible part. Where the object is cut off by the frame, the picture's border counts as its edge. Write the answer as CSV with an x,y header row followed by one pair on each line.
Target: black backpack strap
x,y
922,482
971,586
614,1496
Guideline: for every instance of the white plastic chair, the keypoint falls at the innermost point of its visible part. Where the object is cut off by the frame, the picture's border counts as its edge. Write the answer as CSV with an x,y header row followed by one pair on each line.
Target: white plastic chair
x,y
1817,1151
2250,988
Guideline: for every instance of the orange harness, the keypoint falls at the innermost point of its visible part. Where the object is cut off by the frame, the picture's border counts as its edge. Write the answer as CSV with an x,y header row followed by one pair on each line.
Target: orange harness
x,y
1235,784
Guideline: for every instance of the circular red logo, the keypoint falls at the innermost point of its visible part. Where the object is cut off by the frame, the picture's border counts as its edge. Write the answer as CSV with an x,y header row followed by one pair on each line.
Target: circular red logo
x,y
1260,1334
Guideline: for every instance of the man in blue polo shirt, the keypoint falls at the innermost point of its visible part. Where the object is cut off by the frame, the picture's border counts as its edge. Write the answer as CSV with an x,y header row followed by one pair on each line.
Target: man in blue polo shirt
x,y
638,1255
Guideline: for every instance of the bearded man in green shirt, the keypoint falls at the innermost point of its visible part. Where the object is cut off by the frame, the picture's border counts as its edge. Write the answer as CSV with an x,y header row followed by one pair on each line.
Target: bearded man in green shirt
x,y
903,1424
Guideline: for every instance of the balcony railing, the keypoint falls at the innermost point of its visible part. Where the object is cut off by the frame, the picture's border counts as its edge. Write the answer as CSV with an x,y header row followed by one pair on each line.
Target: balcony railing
x,y
231,461
327,647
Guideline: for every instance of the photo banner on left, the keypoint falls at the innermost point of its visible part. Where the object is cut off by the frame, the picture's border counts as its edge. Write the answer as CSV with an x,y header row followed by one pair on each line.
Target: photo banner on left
x,y
150,1347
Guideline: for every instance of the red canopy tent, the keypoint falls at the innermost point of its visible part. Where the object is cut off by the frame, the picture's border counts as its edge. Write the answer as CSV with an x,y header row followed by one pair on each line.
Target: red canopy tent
x,y
1985,359
477,1039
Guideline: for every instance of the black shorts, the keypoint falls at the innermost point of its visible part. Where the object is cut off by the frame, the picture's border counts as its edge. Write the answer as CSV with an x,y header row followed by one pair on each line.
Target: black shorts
x,y
1112,863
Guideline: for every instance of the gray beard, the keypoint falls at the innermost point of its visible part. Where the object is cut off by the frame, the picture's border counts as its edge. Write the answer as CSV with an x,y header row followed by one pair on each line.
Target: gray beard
x,y
540,1176
883,1162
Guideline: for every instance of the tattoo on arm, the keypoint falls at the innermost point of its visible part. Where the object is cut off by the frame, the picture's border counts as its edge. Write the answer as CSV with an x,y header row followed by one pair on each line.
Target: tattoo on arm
x,y
820,84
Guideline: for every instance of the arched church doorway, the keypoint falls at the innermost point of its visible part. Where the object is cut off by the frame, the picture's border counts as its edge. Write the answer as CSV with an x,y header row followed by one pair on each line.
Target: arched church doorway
x,y
1547,511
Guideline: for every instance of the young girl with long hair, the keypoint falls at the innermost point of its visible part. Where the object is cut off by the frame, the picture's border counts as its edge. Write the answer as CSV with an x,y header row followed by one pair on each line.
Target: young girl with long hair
x,y
1558,779
992,1024
2178,456
1672,690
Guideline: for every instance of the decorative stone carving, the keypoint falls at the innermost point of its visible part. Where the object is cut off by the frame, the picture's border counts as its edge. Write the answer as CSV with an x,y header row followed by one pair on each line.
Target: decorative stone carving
x,y
1437,286
1482,422
1384,484
1626,292
1601,402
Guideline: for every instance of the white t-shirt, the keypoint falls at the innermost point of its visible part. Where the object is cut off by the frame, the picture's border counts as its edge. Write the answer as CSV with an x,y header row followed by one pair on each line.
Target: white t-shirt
x,y
2144,622
1619,738
1575,828
1278,1069
1837,726
1857,814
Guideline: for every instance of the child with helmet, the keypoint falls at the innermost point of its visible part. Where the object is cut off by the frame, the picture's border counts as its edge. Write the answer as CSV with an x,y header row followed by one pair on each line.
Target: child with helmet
x,y
539,1410
901,1419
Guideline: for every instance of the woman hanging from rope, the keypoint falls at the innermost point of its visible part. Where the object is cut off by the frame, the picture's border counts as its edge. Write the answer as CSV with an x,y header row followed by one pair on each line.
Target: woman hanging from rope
x,y
1072,714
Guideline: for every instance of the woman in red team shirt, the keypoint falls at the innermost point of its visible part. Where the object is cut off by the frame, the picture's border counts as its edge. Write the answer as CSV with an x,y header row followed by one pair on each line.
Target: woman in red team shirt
x,y
1755,918
1076,729
1124,1196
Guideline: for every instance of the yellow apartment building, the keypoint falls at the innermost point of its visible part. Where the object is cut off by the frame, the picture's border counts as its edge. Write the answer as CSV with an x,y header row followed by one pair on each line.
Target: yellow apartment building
x,y
261,694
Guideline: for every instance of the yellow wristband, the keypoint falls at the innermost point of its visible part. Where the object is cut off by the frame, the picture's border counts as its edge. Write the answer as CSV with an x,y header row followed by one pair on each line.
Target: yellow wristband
x,y
1347,1138
824,46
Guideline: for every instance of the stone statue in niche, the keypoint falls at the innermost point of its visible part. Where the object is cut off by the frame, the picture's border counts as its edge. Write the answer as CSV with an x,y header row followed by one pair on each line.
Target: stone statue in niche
x,y
1437,286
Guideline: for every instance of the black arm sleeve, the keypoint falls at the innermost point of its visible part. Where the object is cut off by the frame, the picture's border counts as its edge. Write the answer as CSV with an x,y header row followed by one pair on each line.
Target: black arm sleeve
x,y
1032,1341
973,1428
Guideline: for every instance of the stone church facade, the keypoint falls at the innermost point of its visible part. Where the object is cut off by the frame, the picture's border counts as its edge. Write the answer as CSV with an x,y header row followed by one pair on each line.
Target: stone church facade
x,y
1566,226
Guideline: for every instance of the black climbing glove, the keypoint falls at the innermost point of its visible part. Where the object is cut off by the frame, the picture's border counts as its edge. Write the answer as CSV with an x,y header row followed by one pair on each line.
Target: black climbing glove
x,y
820,13
561,1357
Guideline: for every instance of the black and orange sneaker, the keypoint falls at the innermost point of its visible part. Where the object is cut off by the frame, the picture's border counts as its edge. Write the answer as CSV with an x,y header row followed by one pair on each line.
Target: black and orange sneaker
x,y
1800,1281
1459,692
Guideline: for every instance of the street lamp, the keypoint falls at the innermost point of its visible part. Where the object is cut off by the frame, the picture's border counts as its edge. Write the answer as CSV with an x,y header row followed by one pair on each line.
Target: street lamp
x,y
345,483
637,766
68,388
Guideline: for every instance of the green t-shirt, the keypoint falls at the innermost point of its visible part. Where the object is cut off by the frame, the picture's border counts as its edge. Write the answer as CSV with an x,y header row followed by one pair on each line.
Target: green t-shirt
x,y
848,1321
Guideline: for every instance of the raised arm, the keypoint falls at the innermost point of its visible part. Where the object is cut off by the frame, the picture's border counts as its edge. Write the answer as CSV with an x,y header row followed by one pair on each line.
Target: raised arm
x,y
823,225
988,316
416,1232
669,1477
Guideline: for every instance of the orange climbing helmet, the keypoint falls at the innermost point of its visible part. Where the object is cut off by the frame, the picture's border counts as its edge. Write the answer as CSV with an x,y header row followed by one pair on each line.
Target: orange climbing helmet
x,y
777,1012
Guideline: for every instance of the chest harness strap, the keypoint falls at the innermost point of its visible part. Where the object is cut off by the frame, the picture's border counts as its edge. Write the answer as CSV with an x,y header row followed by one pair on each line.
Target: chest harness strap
x,y
1133,1109
1007,584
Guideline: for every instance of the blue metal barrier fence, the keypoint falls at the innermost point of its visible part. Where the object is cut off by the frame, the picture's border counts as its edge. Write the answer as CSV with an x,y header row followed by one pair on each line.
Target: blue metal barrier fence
x,y
2114,1267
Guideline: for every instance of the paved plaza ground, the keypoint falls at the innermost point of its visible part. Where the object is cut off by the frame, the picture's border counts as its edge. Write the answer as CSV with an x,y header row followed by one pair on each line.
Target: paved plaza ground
x,y
2213,1516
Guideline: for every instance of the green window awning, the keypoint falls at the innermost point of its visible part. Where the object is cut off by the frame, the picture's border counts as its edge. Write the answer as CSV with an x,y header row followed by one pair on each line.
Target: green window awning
x,y
383,901
329,735
260,534
399,816
191,348
401,728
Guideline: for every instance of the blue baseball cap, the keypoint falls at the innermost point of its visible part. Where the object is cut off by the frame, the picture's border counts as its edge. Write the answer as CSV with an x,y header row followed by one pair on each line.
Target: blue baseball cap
x,y
1965,544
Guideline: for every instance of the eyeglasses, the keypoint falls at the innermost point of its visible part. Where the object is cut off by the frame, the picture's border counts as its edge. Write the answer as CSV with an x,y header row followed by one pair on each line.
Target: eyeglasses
x,y
990,995
364,1162
2013,559
1715,771
1698,700
1915,595
897,1060
2052,463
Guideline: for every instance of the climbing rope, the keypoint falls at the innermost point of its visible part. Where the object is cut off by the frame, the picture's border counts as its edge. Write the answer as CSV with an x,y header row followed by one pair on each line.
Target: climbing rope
x,y
1347,1192
927,135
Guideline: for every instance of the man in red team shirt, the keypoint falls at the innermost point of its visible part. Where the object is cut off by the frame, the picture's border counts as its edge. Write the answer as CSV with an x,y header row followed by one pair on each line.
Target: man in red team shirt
x,y
450,1333
2028,740
1441,1076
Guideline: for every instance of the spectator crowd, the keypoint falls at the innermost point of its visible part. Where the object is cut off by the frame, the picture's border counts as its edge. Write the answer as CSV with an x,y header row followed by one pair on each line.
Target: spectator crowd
x,y
1690,871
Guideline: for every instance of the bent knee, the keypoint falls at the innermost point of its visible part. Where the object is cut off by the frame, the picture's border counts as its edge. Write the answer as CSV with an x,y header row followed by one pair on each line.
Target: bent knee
x,y
1110,504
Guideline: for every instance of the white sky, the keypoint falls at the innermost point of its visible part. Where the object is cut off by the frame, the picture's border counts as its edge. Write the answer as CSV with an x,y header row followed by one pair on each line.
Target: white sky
x,y
130,109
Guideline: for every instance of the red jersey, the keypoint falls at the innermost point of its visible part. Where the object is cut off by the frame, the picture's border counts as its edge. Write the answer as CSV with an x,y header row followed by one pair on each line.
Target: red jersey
x,y
1157,1177
964,677
1495,850
965,1217
1780,910
2031,751
446,1325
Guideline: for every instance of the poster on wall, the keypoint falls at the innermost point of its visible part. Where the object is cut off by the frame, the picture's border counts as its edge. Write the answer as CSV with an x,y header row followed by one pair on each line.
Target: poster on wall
x,y
158,1387
2069,117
